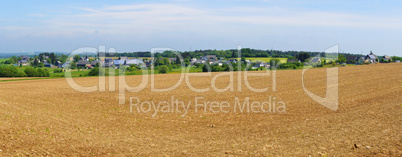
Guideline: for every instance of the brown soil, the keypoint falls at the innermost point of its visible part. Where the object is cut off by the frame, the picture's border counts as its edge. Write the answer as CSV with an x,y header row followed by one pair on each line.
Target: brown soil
x,y
48,117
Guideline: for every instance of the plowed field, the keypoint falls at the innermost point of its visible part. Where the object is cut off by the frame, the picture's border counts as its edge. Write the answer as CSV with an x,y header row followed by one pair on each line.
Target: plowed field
x,y
49,117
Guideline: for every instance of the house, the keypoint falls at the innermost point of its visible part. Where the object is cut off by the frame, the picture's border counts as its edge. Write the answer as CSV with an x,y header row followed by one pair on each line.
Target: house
x,y
93,63
23,62
371,58
58,63
199,62
123,58
360,60
48,65
316,60
84,58
134,61
24,58
172,60
83,63
218,62
293,60
108,62
209,57
387,58
65,65
118,63
352,59
149,64
233,60
260,64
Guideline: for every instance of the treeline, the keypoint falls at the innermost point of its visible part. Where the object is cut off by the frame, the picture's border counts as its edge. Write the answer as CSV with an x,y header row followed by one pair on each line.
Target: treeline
x,y
232,53
11,72
28,72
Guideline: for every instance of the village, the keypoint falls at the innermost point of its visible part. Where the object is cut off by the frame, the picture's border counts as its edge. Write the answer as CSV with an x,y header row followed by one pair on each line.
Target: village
x,y
92,62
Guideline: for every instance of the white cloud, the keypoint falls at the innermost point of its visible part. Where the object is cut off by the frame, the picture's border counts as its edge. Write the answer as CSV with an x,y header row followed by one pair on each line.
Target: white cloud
x,y
15,28
137,18
150,23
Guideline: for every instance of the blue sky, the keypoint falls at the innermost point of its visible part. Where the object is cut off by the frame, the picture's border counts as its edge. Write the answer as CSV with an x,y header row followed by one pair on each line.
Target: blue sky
x,y
311,25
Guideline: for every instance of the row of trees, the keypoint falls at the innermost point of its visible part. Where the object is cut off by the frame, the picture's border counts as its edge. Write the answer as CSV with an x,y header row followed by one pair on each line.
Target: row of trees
x,y
232,53
36,72
28,72
11,72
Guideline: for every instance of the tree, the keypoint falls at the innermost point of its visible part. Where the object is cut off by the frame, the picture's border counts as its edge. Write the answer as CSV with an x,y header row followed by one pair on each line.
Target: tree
x,y
8,72
52,58
243,59
35,63
303,56
187,62
76,58
31,72
58,71
63,58
96,71
274,62
341,59
166,61
178,59
21,74
73,65
163,69
42,73
205,67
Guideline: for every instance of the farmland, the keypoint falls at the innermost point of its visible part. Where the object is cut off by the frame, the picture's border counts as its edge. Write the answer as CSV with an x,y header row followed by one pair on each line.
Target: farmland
x,y
48,117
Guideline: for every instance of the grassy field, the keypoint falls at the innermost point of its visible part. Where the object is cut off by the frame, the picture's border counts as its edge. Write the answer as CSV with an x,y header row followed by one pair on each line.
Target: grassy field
x,y
263,59
3,59
50,118
127,57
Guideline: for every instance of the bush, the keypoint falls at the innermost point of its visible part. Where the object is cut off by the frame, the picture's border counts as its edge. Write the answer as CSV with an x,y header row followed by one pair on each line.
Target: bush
x,y
274,62
10,72
163,69
31,72
43,73
96,72
21,74
73,65
58,71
